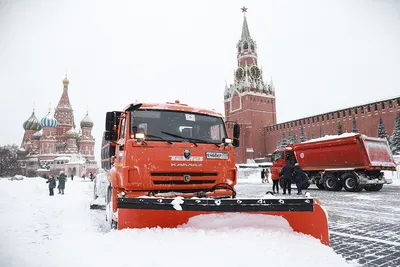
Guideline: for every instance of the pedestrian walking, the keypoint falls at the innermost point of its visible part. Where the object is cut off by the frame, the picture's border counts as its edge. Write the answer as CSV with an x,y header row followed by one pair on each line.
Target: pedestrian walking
x,y
52,184
61,182
298,176
266,172
275,180
72,177
262,175
91,176
287,172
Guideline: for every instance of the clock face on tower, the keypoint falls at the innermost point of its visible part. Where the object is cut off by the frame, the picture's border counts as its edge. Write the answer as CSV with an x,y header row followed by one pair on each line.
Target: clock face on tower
x,y
255,72
239,74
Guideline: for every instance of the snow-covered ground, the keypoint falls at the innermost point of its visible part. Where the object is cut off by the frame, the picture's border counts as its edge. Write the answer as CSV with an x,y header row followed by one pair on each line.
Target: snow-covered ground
x,y
39,230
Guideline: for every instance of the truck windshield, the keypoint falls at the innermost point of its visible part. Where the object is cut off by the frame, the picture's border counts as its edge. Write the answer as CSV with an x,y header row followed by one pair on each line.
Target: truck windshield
x,y
175,126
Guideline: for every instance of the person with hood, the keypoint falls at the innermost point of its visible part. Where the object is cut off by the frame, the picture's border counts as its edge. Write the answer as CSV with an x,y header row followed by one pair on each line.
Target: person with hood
x,y
275,180
298,176
52,184
287,173
61,182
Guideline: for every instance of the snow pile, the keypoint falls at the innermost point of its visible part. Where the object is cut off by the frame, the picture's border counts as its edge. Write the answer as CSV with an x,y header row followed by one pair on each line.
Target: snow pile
x,y
17,178
41,230
329,137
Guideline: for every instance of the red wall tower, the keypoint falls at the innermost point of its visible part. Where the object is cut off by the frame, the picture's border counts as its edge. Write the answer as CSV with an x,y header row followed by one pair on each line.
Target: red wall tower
x,y
249,101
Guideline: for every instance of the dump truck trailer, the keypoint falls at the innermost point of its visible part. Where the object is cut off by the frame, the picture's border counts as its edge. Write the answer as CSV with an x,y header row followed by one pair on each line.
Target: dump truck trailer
x,y
350,161
169,162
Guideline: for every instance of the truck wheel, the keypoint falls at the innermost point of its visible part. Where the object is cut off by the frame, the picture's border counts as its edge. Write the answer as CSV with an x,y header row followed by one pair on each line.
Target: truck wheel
x,y
109,212
375,187
330,182
320,186
350,183
281,182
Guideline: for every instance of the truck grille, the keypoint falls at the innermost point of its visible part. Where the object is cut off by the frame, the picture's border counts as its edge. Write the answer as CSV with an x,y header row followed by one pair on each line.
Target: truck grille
x,y
192,174
181,182
174,175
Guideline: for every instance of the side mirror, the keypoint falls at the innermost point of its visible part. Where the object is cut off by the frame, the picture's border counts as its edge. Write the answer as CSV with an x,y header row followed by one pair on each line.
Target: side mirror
x,y
110,136
236,142
112,120
236,131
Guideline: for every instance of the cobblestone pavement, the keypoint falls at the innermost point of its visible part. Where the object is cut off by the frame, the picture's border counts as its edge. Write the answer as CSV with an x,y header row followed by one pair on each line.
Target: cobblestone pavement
x,y
364,227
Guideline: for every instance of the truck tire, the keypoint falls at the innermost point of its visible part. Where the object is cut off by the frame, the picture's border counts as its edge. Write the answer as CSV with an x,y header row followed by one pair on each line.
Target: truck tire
x,y
374,188
113,224
320,186
330,182
350,182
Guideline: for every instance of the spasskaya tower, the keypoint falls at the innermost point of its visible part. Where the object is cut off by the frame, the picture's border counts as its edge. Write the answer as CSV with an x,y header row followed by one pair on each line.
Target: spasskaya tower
x,y
249,101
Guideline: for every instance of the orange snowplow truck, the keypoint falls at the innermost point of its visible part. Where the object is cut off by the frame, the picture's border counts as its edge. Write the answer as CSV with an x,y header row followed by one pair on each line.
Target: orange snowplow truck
x,y
169,162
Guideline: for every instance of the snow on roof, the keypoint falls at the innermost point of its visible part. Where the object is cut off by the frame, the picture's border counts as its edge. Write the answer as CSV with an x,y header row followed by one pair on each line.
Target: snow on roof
x,y
329,137
62,158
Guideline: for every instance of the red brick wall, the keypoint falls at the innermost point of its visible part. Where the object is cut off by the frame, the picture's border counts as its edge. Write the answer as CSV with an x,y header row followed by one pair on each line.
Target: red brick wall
x,y
367,123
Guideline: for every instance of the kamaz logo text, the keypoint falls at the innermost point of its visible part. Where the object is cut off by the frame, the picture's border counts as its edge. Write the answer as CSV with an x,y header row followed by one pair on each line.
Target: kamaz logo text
x,y
186,164
182,158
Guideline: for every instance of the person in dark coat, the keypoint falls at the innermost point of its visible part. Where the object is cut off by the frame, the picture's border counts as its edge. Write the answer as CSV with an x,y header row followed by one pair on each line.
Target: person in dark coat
x,y
61,182
263,175
298,176
287,173
52,184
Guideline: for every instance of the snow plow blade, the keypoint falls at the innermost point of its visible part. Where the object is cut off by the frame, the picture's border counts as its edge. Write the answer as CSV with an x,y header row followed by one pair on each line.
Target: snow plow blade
x,y
304,215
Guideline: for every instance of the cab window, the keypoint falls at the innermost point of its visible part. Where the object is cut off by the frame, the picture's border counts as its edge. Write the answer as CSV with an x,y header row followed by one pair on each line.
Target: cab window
x,y
277,156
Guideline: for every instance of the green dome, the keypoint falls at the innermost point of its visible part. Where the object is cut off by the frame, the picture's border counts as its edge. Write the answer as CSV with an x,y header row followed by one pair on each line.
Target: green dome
x,y
32,123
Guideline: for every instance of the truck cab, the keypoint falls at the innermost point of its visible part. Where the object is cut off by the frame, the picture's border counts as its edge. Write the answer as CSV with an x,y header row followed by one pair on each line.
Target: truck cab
x,y
170,149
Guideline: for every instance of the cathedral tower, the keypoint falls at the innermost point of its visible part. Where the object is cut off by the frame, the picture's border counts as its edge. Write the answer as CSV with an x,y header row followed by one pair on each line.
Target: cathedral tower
x,y
249,101
65,118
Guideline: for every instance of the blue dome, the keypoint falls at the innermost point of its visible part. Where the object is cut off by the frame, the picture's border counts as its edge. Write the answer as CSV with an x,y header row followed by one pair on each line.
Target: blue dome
x,y
48,121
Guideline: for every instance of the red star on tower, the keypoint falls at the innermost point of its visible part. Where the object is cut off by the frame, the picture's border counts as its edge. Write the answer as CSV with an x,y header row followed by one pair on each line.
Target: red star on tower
x,y
244,9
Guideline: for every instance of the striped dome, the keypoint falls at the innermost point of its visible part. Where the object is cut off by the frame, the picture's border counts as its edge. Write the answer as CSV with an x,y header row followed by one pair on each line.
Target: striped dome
x,y
37,135
87,121
32,123
72,133
48,121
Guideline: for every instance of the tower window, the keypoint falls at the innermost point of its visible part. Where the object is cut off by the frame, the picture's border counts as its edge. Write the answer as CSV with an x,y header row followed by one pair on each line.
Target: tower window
x,y
252,47
246,46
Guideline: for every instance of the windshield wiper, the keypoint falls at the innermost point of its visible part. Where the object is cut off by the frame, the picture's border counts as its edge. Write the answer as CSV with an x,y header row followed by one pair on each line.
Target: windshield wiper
x,y
159,137
181,137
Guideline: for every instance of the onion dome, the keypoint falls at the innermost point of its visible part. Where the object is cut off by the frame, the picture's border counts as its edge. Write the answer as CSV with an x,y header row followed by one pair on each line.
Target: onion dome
x,y
32,123
87,121
37,135
66,81
48,121
72,133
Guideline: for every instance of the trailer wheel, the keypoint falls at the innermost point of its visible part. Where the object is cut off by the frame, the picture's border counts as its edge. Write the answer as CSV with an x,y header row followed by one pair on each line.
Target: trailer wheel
x,y
330,182
375,187
350,183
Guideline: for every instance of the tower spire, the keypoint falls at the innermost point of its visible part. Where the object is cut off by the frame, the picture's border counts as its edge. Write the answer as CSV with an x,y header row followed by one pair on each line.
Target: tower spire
x,y
245,27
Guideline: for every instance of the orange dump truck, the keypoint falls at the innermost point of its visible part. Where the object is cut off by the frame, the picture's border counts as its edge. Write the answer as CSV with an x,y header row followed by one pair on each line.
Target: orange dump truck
x,y
353,161
169,162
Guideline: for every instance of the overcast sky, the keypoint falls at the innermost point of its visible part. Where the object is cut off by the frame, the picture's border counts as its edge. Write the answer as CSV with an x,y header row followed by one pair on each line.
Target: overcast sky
x,y
322,55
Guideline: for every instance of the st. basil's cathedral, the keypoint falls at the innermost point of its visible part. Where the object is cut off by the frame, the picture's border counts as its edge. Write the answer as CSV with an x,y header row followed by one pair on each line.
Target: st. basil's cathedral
x,y
53,143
